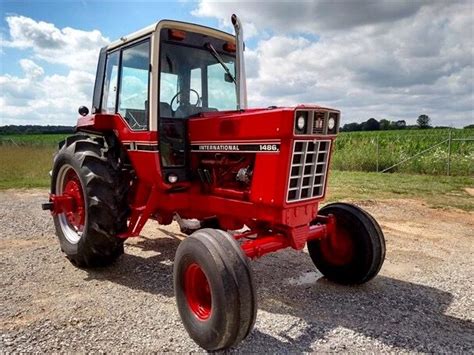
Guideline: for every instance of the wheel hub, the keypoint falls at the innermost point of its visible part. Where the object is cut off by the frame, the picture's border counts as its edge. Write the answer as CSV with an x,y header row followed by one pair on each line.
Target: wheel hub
x,y
339,247
197,291
69,204
72,188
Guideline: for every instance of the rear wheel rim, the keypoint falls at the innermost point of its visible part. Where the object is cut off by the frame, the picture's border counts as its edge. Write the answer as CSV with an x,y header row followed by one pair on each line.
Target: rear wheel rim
x,y
71,222
197,291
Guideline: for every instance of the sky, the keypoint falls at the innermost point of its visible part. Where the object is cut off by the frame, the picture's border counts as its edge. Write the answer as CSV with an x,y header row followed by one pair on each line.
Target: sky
x,y
385,59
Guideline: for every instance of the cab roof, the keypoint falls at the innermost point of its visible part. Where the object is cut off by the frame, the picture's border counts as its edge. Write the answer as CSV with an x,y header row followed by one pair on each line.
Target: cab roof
x,y
172,24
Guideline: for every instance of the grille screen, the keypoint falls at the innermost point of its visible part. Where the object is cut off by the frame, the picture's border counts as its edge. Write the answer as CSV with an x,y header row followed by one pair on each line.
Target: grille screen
x,y
308,169
318,124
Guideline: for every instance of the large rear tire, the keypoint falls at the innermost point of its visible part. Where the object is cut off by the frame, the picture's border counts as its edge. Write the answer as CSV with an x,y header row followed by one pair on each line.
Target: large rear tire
x,y
214,289
355,253
85,171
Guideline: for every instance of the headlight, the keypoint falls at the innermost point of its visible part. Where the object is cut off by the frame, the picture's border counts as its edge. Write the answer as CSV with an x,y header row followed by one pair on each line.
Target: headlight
x,y
300,123
331,123
172,178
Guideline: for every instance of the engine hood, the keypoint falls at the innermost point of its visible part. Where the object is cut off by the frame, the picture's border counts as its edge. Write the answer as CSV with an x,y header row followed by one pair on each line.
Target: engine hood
x,y
253,111
251,124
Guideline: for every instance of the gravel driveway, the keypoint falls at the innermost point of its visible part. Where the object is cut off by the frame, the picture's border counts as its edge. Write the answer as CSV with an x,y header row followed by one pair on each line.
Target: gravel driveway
x,y
421,301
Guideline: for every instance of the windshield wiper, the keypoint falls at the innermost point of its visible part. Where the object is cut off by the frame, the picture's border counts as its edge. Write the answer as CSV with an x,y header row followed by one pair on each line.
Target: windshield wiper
x,y
216,55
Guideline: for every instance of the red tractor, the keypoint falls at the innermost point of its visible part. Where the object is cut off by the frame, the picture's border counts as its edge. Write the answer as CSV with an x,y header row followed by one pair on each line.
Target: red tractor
x,y
170,137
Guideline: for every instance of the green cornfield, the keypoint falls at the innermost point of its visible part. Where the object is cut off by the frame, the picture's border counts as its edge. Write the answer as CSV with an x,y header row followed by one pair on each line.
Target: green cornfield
x,y
377,151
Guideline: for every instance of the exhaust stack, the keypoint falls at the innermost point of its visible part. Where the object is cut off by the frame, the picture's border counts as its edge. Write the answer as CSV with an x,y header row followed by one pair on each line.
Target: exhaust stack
x,y
240,77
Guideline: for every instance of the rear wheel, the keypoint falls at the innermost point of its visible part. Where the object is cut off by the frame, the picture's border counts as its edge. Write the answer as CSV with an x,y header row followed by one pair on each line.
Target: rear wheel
x,y
98,209
355,253
214,289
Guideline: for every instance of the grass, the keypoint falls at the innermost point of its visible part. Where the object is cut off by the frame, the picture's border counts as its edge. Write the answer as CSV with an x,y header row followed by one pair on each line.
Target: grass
x,y
436,191
26,159
25,166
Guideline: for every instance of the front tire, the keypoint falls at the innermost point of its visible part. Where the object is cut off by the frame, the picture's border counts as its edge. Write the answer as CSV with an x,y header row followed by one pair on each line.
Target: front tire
x,y
355,253
214,289
88,231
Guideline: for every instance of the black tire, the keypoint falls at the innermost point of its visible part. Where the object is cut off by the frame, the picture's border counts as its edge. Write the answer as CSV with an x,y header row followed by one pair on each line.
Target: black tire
x,y
233,305
357,253
104,193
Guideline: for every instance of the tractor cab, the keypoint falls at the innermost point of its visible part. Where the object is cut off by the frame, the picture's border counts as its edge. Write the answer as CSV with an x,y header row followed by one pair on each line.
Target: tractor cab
x,y
159,78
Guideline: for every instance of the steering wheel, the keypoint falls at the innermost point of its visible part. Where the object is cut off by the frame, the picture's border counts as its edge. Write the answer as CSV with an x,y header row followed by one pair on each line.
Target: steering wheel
x,y
198,101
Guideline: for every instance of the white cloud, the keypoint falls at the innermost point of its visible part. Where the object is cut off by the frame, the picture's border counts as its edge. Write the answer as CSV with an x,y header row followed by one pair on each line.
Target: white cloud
x,y
31,69
383,59
70,47
37,97
308,15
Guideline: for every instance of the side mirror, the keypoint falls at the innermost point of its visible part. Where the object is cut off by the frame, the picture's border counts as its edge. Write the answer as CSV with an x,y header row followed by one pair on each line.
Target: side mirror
x,y
83,111
228,78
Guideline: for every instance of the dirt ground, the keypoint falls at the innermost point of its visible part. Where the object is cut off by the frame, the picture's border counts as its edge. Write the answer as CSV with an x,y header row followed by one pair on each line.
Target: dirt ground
x,y
422,299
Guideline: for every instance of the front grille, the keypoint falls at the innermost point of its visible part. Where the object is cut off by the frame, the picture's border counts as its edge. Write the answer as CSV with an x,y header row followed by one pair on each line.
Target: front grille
x,y
318,123
308,169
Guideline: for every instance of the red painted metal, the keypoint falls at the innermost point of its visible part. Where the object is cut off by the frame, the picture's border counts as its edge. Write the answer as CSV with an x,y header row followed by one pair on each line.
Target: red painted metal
x,y
260,245
262,202
197,291
97,122
327,223
75,214
61,203
71,202
264,245
339,247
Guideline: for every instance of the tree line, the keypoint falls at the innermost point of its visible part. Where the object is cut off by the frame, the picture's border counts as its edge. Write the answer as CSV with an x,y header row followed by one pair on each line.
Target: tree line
x,y
35,129
423,122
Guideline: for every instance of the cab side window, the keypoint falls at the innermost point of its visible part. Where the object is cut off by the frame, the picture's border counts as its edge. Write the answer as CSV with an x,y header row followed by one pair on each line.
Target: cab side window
x,y
110,83
134,85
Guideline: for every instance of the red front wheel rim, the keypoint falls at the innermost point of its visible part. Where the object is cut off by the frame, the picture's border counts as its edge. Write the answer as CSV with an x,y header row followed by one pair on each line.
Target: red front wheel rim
x,y
197,291
338,248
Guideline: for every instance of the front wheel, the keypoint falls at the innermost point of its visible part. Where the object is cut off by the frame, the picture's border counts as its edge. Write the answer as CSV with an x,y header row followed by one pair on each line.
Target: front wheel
x,y
214,289
353,254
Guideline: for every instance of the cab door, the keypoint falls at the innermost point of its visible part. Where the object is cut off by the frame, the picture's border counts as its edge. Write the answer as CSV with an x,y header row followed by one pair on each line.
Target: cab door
x,y
180,100
173,127
174,148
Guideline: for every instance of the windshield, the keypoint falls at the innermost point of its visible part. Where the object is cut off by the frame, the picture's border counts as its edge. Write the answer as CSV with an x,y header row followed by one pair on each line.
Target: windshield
x,y
192,78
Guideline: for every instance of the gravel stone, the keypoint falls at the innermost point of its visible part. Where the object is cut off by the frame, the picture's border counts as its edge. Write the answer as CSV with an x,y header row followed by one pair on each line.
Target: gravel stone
x,y
422,300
